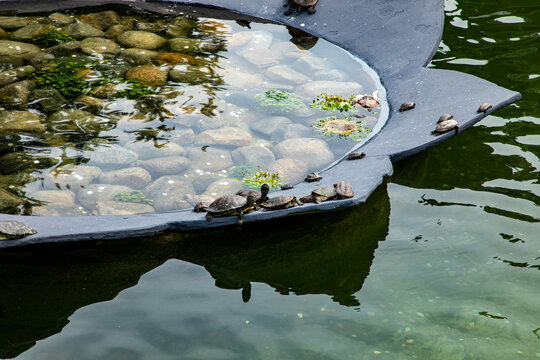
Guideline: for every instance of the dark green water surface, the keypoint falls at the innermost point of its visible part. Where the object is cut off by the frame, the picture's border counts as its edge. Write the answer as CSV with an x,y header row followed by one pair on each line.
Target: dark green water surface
x,y
443,262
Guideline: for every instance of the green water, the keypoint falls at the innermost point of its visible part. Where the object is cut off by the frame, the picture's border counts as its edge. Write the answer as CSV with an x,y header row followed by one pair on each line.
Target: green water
x,y
441,263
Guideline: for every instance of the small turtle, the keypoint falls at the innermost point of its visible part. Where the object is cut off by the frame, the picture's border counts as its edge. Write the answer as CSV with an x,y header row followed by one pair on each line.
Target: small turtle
x,y
445,117
230,205
308,198
344,190
299,5
407,106
200,207
287,186
324,193
281,202
484,107
12,229
313,177
354,155
259,197
445,126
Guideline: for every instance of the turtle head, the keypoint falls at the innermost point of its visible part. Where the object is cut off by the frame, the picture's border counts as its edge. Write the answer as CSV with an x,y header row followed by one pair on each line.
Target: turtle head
x,y
264,190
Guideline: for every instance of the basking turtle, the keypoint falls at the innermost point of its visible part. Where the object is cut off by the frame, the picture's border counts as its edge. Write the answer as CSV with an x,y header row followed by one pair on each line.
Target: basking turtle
x,y
230,205
200,207
445,117
299,5
12,229
344,190
445,126
281,202
313,177
323,194
407,106
484,107
259,197
354,155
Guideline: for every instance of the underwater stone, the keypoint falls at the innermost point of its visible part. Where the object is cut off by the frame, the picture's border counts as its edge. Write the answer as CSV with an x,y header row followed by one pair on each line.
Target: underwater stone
x,y
236,79
111,155
260,57
253,155
286,74
115,31
9,62
134,177
169,193
20,121
167,165
16,95
268,125
71,176
122,208
82,30
148,74
101,20
228,136
13,22
65,198
98,45
9,202
91,194
210,159
141,39
17,48
136,56
65,49
289,170
29,32
73,121
49,99
183,136
224,186
186,45
148,150
11,76
291,131
314,152
90,104
61,19
313,89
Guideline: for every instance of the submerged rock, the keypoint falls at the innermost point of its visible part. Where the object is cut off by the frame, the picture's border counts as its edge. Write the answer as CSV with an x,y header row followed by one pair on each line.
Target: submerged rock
x,y
290,170
228,136
315,88
29,32
101,20
82,30
122,208
148,150
253,155
65,198
168,165
65,49
314,152
9,202
110,154
61,19
20,121
98,45
71,177
286,74
148,74
169,193
13,22
141,39
187,45
49,99
90,195
268,125
134,177
223,186
210,159
137,56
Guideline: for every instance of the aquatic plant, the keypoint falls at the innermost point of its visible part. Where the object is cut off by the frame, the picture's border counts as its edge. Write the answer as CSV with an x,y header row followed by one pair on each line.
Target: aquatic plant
x,y
343,128
261,177
135,196
135,90
63,77
279,101
52,38
241,171
333,102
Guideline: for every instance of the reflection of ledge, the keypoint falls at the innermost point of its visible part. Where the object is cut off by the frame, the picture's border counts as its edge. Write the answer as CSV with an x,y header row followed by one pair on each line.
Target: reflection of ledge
x,y
395,38
37,299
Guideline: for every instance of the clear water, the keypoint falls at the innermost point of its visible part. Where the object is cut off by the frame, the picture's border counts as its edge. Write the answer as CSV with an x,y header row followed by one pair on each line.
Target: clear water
x,y
203,132
441,263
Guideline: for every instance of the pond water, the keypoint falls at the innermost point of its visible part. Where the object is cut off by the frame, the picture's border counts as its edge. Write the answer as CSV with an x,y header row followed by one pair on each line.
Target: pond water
x,y
441,263
129,112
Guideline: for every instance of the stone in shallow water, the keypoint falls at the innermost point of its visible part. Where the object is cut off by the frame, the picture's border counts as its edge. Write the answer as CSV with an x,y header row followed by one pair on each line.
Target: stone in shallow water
x,y
314,152
169,165
235,79
97,45
49,99
90,195
52,210
291,131
29,32
65,198
16,95
330,75
315,88
101,20
228,136
110,154
253,155
176,59
289,170
90,103
202,179
211,159
13,22
9,202
61,19
122,208
71,176
287,50
148,150
311,64
182,136
260,57
268,125
169,193
65,49
141,39
20,121
115,31
72,121
134,177
223,187
286,74
81,30
148,74
136,56
186,45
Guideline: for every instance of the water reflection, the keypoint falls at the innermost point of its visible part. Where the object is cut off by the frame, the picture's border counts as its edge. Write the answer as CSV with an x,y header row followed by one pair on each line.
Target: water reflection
x,y
48,284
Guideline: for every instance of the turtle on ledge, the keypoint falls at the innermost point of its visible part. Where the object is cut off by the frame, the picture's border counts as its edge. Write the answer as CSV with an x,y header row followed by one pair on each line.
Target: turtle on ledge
x,y
14,229
299,5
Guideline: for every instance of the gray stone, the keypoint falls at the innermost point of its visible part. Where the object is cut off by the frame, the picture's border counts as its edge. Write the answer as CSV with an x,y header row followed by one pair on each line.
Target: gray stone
x,y
49,99
17,48
52,210
11,76
314,152
268,125
65,49
9,202
61,19
187,45
136,56
134,177
330,75
98,45
65,198
82,30
168,165
311,64
227,136
101,20
155,27
20,121
191,74
169,193
290,170
29,32
182,136
148,74
223,187
13,22
148,150
115,31
291,131
105,91
286,74
210,159
311,90
112,155
91,194
16,95
259,39
202,179
253,155
260,57
141,40
287,50
72,121
122,208
71,176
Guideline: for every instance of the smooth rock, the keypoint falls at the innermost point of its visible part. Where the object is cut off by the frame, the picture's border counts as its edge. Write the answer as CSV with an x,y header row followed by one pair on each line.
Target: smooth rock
x,y
134,177
64,198
287,50
291,131
182,136
98,45
261,58
17,48
29,32
90,104
141,40
253,155
52,210
286,74
101,20
11,76
315,88
202,179
168,165
61,19
10,62
110,154
148,150
90,195
236,79
330,75
49,99
259,39
311,64
148,74
176,59
13,22
195,199
210,159
290,170
9,202
191,74
239,39
169,193
65,49
82,30
20,121
187,45
105,91
122,208
136,56
227,136
314,152
40,60
16,95
72,121
115,31
268,125
223,187
71,176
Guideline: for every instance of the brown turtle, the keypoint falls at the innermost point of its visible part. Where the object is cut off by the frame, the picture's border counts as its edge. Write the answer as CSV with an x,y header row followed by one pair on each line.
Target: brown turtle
x,y
407,106
259,197
230,205
445,117
200,207
281,202
12,229
299,5
445,126
323,194
354,155
313,177
484,107
344,190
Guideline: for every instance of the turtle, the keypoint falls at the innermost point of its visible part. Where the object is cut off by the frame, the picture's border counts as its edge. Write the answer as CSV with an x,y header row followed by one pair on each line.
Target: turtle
x,y
281,202
259,197
344,190
324,193
287,186
484,107
407,106
230,205
200,207
445,126
12,229
308,198
313,177
299,5
445,117
354,155
368,101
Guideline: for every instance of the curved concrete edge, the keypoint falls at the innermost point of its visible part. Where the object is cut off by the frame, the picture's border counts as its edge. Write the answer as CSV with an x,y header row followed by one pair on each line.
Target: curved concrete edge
x,y
365,175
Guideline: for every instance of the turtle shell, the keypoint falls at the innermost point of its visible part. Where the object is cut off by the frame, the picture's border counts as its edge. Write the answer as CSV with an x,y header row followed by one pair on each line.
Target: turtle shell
x,y
344,190
227,205
445,126
327,192
280,202
305,2
247,192
14,229
484,107
445,117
